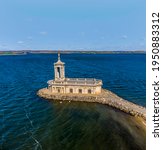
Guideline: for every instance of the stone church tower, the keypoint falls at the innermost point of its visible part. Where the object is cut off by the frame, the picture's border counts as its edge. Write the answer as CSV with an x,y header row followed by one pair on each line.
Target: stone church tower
x,y
59,70
63,85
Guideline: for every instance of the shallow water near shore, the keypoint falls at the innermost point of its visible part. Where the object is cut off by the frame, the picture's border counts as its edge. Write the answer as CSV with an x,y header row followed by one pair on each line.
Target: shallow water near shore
x,y
29,122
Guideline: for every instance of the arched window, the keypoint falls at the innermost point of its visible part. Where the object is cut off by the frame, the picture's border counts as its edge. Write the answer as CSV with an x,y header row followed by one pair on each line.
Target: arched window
x,y
59,90
59,72
89,91
80,90
71,90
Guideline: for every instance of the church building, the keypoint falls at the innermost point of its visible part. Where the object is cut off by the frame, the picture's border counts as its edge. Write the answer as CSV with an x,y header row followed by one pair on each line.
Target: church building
x,y
61,84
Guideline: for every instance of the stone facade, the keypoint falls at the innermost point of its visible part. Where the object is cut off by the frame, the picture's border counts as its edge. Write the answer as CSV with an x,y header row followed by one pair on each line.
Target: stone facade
x,y
60,84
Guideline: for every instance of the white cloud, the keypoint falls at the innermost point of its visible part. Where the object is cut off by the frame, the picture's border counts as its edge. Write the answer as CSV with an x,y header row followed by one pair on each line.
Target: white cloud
x,y
43,33
141,44
20,42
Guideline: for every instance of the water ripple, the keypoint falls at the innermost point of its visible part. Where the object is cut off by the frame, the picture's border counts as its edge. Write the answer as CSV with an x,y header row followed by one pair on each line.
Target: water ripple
x,y
29,122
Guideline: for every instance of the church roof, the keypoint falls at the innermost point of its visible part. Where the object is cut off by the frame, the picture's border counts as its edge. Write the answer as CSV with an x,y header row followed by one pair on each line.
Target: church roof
x,y
59,62
77,82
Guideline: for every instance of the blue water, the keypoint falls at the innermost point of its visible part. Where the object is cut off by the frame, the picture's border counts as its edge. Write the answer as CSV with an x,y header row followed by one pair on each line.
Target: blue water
x,y
29,122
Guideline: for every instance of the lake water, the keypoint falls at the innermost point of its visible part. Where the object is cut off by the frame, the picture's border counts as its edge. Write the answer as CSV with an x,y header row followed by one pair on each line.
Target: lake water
x,y
29,122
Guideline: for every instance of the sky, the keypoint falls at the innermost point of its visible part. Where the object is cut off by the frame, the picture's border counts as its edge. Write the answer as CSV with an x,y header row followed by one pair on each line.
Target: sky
x,y
72,25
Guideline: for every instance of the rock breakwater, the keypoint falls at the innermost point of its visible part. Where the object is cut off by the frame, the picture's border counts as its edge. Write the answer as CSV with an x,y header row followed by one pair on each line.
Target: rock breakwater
x,y
106,97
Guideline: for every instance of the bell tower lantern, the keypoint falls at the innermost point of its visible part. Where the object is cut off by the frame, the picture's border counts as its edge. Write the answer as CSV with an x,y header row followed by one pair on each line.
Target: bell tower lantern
x,y
59,69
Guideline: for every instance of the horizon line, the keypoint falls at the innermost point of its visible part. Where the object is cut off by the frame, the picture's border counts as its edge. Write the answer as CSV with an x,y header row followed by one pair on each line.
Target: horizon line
x,y
69,50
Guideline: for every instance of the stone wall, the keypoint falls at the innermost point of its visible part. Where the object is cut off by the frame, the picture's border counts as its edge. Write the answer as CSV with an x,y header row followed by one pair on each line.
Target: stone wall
x,y
75,89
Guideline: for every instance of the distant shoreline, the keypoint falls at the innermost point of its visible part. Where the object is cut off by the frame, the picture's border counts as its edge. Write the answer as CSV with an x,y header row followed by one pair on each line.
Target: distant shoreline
x,y
25,52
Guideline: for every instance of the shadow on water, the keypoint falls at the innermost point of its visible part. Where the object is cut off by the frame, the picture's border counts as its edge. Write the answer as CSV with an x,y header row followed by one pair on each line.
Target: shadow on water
x,y
50,125
80,126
